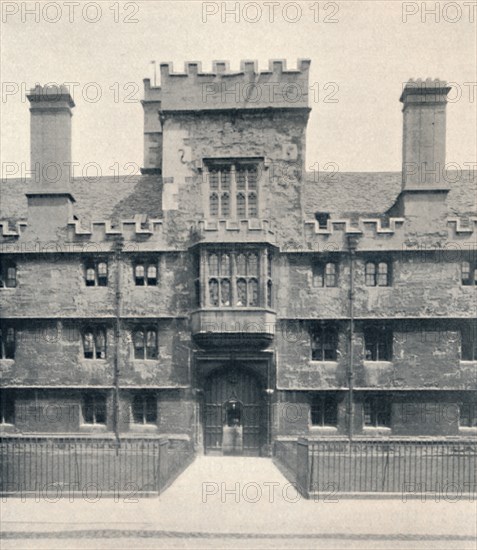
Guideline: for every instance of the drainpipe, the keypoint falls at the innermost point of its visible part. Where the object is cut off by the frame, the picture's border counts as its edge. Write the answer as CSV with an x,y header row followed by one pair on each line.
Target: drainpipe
x,y
118,246
352,240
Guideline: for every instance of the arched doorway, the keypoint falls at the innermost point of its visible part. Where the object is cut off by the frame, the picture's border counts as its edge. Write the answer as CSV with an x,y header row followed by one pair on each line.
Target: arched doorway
x,y
234,413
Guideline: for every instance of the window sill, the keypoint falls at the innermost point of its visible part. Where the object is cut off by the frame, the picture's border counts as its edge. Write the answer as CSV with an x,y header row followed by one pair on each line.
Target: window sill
x,y
324,429
469,362
326,363
467,430
368,363
93,428
229,308
376,430
134,427
6,427
6,360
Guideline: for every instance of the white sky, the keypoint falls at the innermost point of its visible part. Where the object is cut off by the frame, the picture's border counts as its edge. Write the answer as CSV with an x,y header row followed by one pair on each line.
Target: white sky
x,y
368,53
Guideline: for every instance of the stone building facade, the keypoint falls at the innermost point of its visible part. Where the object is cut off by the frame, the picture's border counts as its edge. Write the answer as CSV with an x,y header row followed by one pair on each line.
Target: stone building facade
x,y
226,295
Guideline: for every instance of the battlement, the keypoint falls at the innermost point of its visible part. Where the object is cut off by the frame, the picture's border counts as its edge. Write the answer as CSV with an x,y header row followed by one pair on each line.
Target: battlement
x,y
247,88
468,226
5,230
349,227
240,231
130,229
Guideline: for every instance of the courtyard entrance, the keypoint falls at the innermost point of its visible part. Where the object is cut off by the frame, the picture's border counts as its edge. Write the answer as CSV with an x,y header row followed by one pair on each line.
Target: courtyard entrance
x,y
234,413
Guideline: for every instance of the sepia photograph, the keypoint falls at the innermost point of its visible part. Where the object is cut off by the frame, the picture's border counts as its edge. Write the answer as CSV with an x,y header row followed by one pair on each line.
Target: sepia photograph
x,y
238,275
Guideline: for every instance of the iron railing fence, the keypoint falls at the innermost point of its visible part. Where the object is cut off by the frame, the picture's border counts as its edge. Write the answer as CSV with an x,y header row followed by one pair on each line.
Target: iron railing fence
x,y
375,466
93,466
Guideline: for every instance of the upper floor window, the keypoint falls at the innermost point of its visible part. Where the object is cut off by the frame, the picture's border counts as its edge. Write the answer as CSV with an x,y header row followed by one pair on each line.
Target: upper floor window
x,y
145,274
8,275
469,342
96,273
144,408
468,414
325,274
378,343
7,342
93,407
469,273
324,410
94,343
233,189
378,273
324,343
377,412
7,407
145,343
233,279
269,279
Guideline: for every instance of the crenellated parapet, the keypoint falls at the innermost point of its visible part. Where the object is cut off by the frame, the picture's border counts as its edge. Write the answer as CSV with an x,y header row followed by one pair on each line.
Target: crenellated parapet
x,y
233,231
361,226
129,229
246,88
461,226
5,230
373,235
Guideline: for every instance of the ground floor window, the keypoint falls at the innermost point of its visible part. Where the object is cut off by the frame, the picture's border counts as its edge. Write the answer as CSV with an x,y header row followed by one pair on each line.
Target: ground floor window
x,y
469,342
7,342
94,343
377,412
144,408
378,343
7,407
145,343
468,414
93,408
324,410
324,343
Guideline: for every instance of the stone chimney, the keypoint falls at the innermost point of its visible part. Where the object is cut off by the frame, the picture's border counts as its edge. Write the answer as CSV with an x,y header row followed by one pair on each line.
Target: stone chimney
x,y
424,134
49,196
424,183
151,105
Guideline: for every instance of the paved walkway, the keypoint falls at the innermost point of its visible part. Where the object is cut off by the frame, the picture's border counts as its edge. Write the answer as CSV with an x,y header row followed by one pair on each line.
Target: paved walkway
x,y
230,502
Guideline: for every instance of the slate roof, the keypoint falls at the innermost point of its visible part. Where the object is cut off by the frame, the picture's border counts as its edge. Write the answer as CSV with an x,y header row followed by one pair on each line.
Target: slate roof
x,y
346,194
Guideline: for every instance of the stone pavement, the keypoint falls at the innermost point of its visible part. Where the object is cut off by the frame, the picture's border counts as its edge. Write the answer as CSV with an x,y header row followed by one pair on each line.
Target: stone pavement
x,y
235,502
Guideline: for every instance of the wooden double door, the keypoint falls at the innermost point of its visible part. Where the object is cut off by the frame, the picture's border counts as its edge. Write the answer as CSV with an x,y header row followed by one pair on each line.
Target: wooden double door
x,y
234,413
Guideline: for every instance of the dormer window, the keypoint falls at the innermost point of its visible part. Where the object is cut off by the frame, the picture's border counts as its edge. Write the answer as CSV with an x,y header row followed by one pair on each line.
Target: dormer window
x,y
233,189
322,219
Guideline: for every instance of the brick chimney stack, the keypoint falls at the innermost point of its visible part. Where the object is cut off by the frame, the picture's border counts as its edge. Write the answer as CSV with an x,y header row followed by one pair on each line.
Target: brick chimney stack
x,y
49,197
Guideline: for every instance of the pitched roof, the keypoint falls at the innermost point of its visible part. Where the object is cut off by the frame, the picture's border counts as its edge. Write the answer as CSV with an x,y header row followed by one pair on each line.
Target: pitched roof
x,y
347,194
106,198
344,194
